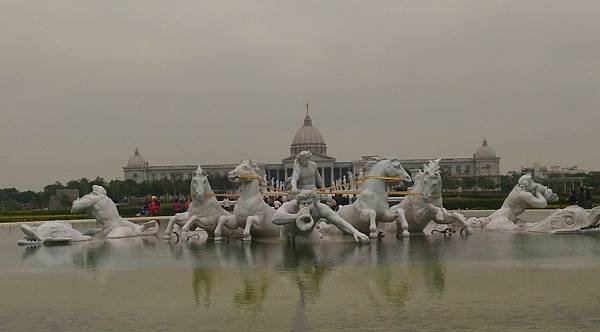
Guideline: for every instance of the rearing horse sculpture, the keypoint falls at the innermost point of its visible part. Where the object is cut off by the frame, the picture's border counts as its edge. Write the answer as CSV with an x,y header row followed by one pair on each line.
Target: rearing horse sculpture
x,y
372,207
424,204
251,212
204,210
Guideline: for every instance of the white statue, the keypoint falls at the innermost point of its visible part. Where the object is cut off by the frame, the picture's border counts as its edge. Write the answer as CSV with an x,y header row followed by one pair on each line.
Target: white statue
x,y
344,183
51,232
351,180
298,217
251,212
204,210
372,207
106,214
361,174
425,204
305,174
572,219
526,194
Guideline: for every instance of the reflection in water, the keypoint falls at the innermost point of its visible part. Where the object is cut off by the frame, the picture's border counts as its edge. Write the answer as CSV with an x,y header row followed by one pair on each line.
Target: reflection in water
x,y
91,255
336,284
302,265
202,282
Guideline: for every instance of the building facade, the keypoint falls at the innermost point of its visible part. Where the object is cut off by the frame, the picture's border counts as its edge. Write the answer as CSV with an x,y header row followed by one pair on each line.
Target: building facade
x,y
484,162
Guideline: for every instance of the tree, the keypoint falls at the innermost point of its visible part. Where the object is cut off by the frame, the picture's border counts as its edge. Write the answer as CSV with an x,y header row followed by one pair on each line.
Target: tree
x,y
486,182
469,183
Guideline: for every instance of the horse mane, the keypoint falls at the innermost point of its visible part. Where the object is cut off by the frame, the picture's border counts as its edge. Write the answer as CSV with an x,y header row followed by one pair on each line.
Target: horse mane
x,y
261,181
433,167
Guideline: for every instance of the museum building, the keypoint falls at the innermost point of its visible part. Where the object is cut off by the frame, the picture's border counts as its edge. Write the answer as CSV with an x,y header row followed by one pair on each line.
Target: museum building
x,y
483,163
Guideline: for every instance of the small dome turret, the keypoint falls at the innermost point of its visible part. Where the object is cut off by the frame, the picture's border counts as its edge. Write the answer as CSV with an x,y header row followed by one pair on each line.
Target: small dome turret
x,y
485,151
137,160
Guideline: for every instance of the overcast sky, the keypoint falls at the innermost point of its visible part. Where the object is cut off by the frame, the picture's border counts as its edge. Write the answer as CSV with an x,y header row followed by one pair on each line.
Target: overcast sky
x,y
82,83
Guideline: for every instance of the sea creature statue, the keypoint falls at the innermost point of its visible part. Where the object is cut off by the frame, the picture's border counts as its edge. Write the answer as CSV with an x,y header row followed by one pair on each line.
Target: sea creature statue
x,y
298,218
106,214
525,194
424,204
251,212
51,232
371,208
204,210
570,220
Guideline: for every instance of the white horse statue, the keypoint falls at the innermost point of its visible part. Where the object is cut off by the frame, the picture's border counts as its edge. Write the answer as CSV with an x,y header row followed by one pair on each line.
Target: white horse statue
x,y
371,208
424,204
106,214
204,210
251,212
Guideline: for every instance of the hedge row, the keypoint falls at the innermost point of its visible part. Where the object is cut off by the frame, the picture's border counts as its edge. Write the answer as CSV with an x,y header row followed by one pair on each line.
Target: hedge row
x,y
42,215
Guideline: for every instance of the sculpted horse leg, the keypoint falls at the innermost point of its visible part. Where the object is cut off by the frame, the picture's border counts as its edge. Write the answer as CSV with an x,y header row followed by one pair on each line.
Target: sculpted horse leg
x,y
176,219
369,215
249,222
219,229
400,218
190,224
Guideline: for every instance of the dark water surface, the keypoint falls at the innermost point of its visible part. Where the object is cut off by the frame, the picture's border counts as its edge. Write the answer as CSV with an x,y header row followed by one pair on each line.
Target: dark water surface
x,y
488,281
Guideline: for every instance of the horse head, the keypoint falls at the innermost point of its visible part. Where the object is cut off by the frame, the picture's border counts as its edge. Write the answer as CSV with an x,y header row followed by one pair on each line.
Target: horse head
x,y
429,181
247,171
199,185
389,167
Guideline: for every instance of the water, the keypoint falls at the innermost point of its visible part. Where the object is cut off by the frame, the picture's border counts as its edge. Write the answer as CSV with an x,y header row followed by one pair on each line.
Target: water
x,y
488,281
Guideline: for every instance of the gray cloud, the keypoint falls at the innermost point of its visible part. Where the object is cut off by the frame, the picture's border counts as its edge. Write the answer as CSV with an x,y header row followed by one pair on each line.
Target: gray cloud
x,y
83,83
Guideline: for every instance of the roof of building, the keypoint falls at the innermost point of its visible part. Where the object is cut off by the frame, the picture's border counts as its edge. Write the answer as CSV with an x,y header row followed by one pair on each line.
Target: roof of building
x,y
484,151
137,160
308,138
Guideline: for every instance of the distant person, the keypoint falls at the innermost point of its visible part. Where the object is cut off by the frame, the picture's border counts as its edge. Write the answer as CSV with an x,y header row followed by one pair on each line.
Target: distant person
x,y
573,198
581,198
176,207
276,204
353,199
144,211
154,207
588,198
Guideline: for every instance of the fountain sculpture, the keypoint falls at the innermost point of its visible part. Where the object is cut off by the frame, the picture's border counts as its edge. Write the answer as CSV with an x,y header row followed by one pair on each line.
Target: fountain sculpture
x,y
526,194
570,220
204,211
425,204
51,232
298,217
106,214
250,212
371,208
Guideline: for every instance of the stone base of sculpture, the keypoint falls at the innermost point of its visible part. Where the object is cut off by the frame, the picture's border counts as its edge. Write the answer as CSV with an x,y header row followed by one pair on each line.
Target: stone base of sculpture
x,y
51,232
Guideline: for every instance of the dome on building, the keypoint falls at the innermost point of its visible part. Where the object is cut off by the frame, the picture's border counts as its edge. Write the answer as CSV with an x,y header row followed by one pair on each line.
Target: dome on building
x,y
136,160
485,151
308,138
